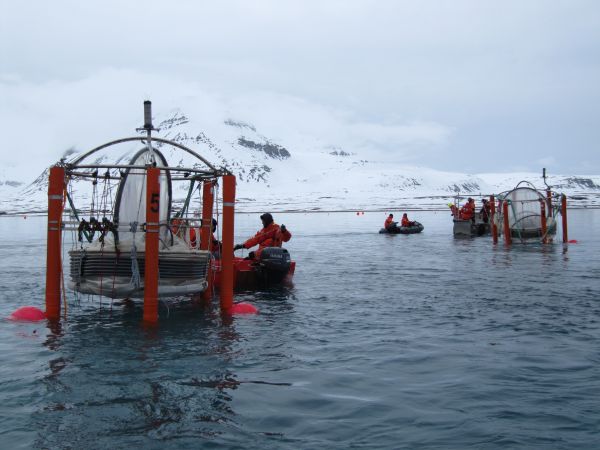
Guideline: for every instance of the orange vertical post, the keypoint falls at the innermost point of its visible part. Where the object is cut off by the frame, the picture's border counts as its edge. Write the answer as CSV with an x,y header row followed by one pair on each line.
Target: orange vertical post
x,y
206,231
493,220
543,219
506,226
56,189
227,250
151,253
207,211
563,213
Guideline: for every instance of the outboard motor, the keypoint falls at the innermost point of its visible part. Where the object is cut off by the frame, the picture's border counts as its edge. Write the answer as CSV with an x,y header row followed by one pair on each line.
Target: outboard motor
x,y
274,264
276,259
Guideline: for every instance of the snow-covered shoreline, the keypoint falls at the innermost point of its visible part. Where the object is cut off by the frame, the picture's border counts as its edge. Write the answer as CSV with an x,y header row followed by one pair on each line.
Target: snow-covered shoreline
x,y
297,174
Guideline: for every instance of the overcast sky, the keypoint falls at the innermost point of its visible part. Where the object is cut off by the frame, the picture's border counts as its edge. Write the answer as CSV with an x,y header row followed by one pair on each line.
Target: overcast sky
x,y
472,86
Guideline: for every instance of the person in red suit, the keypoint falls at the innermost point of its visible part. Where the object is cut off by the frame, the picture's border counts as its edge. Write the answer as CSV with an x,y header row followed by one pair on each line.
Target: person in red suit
x,y
467,212
405,222
388,222
271,235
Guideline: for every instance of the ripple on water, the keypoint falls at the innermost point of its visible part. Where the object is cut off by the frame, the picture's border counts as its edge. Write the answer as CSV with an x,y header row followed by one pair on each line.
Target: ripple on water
x,y
383,342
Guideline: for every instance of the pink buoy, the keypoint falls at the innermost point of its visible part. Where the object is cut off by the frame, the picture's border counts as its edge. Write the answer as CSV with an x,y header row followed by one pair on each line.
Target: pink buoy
x,y
244,308
28,314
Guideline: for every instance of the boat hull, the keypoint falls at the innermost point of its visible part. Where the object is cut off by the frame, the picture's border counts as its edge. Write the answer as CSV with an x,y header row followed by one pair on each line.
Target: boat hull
x,y
417,228
250,274
467,228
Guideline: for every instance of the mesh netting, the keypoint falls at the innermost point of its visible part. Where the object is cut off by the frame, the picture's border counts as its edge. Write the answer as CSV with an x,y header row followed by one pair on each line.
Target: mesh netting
x,y
524,209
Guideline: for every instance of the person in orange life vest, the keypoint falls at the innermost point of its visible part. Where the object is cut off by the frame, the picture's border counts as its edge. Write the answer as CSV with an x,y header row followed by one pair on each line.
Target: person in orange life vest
x,y
467,212
389,222
453,210
271,235
405,222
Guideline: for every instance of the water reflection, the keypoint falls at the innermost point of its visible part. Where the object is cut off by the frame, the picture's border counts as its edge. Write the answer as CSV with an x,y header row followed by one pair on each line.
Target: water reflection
x,y
150,381
55,334
372,331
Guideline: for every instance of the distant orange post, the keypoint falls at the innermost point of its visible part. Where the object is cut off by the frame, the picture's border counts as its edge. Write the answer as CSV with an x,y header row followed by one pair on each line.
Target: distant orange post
x,y
56,189
506,226
563,213
493,219
206,231
227,250
543,219
152,233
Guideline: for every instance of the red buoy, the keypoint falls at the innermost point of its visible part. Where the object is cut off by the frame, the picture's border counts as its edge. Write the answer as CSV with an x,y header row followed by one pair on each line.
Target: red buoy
x,y
28,314
573,241
244,308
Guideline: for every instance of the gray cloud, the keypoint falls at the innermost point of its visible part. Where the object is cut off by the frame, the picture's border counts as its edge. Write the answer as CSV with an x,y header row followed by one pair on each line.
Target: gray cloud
x,y
488,84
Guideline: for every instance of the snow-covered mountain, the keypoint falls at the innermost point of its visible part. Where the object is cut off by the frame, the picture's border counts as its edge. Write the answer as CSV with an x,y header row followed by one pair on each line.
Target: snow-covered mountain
x,y
303,173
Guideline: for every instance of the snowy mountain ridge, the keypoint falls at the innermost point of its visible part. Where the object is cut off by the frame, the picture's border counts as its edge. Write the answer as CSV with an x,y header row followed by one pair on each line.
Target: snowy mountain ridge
x,y
303,174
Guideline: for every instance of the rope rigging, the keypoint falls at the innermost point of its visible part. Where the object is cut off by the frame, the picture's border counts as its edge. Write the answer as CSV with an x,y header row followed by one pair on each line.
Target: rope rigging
x,y
144,183
135,269
97,267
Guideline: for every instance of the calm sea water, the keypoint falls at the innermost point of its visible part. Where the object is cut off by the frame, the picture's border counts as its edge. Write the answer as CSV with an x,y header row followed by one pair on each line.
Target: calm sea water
x,y
383,342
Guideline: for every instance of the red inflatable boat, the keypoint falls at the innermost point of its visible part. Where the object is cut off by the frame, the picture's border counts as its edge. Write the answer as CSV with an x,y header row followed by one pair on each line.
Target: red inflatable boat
x,y
274,267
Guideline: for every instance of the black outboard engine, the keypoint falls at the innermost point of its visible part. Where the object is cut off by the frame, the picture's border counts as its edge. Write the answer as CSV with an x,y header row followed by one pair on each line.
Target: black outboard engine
x,y
274,263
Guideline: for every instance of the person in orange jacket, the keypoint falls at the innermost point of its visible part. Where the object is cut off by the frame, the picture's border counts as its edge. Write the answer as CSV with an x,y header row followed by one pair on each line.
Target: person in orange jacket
x,y
467,212
405,222
271,235
388,222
